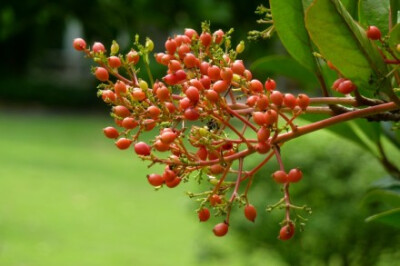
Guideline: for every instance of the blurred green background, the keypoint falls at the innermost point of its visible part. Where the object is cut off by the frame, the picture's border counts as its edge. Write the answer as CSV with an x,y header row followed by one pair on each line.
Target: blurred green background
x,y
69,197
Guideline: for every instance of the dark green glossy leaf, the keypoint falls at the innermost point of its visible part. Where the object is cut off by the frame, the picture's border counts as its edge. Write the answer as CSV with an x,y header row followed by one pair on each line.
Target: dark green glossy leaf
x,y
376,13
351,7
288,19
390,217
394,10
342,41
394,38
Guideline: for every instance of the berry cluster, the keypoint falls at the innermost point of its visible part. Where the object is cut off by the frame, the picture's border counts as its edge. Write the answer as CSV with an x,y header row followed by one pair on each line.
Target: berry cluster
x,y
205,83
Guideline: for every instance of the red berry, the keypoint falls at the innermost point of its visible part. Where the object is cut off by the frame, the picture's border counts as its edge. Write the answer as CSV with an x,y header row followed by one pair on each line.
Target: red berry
x,y
215,199
262,102
114,61
294,175
170,106
174,65
101,74
259,118
79,44
155,180
108,96
373,33
98,47
280,177
153,111
176,181
303,101
111,132
220,86
247,74
129,123
121,111
170,46
270,85
190,60
120,88
251,101
138,94
213,73
220,229
263,134
191,114
193,94
226,74
196,83
205,38
168,175
191,33
168,137
276,98
180,75
263,147
250,212
289,100
183,50
149,124
170,79
218,36
216,169
286,232
202,153
141,148
256,86
161,146
163,93
337,82
271,116
123,143
204,214
346,87
133,57
205,81
238,67
184,103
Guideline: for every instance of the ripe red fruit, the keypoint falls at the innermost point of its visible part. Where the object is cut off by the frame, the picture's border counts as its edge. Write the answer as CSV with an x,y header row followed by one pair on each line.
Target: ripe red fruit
x,y
346,87
213,73
123,143
250,212
204,68
263,134
286,232
155,180
175,182
226,74
251,101
373,33
203,214
191,33
111,132
98,47
133,57
183,50
171,107
205,81
168,137
120,88
263,147
149,124
101,74
303,101
337,82
276,98
270,85
138,94
216,169
259,118
191,114
196,83
129,123
220,86
238,67
161,146
79,44
180,75
121,111
170,79
205,38
108,96
141,148
220,229
255,85
184,103
289,100
174,65
202,153
190,60
163,93
169,175
114,61
193,94
153,111
280,177
294,175
271,116
262,102
170,46
247,74
215,199
218,36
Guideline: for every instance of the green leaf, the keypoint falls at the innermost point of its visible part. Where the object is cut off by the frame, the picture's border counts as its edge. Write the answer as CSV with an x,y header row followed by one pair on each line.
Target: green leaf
x,y
376,13
342,41
275,65
351,7
288,17
395,11
394,38
389,217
